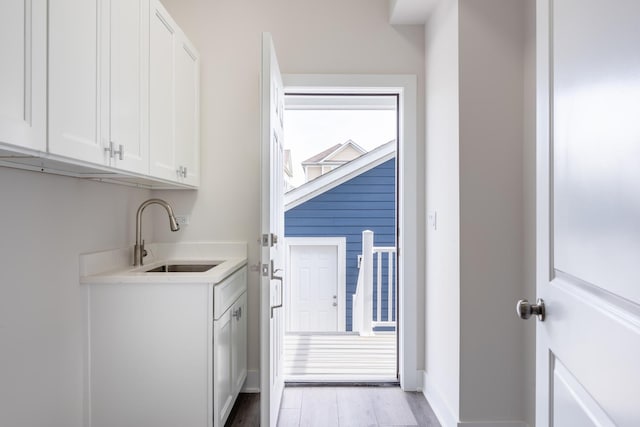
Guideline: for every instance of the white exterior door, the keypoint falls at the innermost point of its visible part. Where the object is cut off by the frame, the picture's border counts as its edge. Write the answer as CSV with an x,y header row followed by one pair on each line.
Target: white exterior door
x,y
272,226
588,164
313,288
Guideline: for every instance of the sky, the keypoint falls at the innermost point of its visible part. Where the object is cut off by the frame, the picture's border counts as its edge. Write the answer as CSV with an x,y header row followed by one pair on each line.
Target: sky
x,y
308,132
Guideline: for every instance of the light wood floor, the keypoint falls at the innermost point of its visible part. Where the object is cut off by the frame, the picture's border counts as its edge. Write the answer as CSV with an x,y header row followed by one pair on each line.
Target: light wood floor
x,y
340,407
340,357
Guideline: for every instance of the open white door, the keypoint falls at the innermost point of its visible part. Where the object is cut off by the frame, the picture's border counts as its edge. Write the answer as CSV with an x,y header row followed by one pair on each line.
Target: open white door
x,y
272,227
588,208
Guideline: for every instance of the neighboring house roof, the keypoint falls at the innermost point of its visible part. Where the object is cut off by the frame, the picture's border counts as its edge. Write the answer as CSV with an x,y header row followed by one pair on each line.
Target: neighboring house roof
x,y
332,179
329,154
320,156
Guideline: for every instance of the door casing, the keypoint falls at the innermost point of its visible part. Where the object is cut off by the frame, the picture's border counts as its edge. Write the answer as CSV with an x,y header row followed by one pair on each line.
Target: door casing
x,y
409,204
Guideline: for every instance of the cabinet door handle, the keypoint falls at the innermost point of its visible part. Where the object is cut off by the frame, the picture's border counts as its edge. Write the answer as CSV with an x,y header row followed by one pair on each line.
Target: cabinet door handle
x,y
182,171
112,151
237,313
119,152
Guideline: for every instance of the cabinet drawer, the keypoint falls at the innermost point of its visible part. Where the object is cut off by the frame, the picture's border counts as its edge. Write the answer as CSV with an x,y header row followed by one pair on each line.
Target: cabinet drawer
x,y
227,291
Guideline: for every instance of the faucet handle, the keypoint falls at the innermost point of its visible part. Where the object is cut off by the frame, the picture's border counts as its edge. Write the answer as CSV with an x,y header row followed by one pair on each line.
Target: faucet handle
x,y
143,251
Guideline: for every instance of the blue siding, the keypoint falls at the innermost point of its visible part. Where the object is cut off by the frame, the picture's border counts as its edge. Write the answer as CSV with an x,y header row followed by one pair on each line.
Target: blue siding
x,y
366,202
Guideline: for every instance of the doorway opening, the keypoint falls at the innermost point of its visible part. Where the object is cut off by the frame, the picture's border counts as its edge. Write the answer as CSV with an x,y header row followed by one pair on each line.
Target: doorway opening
x,y
341,234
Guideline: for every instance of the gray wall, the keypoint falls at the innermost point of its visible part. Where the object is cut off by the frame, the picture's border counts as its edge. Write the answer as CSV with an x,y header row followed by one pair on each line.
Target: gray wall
x,y
480,177
47,221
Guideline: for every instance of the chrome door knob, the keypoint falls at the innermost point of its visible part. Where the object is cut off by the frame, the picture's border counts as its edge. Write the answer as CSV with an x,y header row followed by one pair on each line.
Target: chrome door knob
x,y
525,310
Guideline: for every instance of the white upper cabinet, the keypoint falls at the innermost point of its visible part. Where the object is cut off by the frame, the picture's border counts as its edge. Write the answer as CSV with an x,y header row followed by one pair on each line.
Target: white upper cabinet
x,y
162,76
126,97
174,108
75,80
99,89
23,43
99,82
187,139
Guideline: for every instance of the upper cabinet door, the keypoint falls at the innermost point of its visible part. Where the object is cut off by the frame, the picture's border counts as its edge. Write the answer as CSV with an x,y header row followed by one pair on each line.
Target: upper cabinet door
x,y
126,97
174,101
23,70
76,65
162,81
187,112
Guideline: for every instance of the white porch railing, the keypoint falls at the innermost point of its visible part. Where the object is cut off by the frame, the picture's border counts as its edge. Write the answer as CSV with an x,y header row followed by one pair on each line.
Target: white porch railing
x,y
365,318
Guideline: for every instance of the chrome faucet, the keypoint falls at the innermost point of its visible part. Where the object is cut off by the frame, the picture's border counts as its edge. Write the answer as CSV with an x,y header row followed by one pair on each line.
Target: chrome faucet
x,y
138,250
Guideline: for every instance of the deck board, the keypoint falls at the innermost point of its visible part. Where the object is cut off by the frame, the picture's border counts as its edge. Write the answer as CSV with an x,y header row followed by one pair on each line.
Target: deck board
x,y
340,357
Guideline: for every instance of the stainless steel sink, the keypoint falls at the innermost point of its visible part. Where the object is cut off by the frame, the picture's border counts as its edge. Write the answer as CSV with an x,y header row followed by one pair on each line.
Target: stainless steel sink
x,y
183,268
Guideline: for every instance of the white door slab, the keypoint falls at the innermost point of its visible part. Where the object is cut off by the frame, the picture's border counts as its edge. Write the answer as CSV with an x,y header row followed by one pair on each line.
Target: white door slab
x,y
272,226
588,209
313,306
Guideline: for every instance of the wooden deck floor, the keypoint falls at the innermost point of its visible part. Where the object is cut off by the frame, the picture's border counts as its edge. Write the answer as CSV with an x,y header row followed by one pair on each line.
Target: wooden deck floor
x,y
340,357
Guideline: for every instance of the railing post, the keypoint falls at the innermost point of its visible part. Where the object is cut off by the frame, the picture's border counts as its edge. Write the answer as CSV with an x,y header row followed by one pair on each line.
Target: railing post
x,y
367,282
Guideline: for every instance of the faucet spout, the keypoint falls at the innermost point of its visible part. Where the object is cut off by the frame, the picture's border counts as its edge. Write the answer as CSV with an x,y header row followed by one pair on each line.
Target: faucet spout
x,y
138,250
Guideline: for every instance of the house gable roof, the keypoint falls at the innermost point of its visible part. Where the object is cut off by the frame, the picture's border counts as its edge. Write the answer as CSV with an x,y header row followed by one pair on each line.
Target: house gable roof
x,y
331,152
320,156
347,171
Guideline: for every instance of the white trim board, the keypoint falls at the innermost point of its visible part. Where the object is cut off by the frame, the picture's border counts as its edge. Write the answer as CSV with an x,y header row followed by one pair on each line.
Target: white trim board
x,y
332,102
340,175
444,413
341,244
403,85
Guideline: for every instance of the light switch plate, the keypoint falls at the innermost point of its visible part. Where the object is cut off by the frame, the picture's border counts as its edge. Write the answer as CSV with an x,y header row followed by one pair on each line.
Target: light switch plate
x,y
432,218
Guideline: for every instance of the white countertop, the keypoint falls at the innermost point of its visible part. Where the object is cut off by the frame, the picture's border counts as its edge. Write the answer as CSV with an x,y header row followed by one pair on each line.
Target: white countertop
x,y
115,266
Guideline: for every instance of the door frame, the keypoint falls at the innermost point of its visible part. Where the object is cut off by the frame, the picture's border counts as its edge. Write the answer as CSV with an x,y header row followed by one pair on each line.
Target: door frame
x,y
405,87
341,245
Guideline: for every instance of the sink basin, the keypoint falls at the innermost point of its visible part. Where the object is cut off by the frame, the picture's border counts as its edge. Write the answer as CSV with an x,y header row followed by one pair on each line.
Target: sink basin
x,y
183,268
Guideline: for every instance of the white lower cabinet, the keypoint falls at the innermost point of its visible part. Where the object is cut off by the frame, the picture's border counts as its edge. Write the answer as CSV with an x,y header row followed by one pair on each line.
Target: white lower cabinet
x,y
165,354
230,358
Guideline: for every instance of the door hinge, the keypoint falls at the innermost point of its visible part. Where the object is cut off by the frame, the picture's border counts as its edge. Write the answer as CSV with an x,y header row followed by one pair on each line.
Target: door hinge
x,y
269,240
265,269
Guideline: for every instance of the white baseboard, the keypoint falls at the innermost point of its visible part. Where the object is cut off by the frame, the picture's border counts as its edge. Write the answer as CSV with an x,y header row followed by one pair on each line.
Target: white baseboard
x,y
492,424
412,382
252,383
445,415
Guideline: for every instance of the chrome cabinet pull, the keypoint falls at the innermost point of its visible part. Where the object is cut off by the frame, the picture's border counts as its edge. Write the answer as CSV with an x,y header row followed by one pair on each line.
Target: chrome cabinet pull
x,y
119,152
113,152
